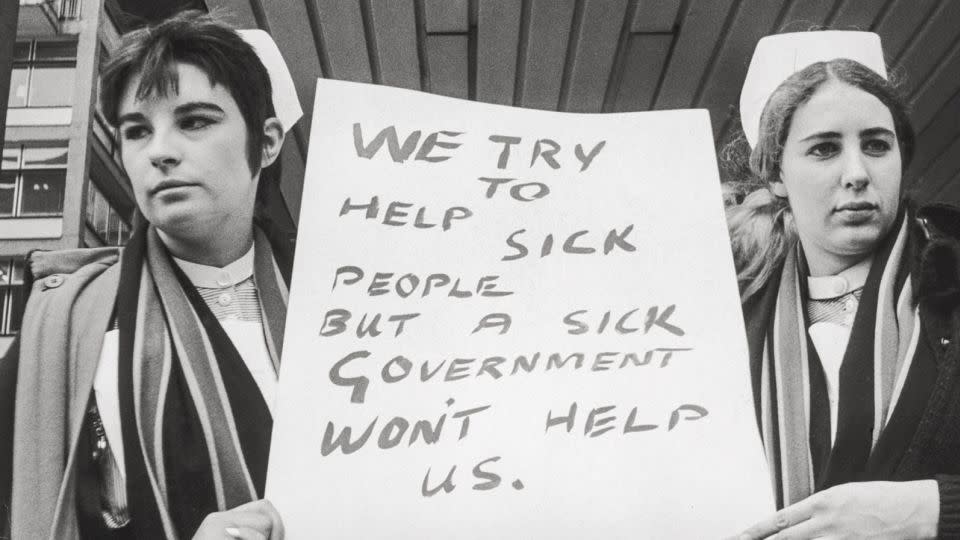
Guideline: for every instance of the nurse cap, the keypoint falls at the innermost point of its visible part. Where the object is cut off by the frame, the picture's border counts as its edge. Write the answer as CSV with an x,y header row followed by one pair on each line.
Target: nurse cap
x,y
779,56
286,104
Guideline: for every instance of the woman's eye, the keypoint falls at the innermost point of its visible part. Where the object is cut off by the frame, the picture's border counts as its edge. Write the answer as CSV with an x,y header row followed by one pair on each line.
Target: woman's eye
x,y
132,133
824,149
876,147
191,123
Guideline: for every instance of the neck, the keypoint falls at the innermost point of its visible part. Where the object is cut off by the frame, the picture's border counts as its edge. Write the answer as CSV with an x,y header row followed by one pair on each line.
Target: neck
x,y
831,266
220,250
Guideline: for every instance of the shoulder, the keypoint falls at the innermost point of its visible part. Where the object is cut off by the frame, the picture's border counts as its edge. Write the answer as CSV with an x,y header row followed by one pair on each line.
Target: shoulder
x,y
937,220
53,270
935,231
58,281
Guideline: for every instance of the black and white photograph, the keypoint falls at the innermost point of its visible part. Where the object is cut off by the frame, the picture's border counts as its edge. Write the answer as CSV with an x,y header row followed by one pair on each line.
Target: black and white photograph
x,y
479,269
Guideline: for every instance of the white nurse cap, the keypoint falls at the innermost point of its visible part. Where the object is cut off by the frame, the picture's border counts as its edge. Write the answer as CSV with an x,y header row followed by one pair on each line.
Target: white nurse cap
x,y
781,55
285,101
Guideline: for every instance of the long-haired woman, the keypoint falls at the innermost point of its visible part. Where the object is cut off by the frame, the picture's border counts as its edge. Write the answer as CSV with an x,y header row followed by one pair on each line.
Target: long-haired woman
x,y
851,299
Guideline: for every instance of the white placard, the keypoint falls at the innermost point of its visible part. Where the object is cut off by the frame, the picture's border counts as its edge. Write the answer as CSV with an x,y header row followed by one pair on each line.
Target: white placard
x,y
552,339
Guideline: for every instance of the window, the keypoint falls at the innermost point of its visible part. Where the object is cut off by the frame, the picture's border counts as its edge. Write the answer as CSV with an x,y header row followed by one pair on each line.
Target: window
x,y
43,74
32,180
107,134
11,295
104,220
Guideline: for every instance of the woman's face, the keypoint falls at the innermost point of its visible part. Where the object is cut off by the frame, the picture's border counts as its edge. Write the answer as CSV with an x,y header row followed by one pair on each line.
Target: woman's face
x,y
186,156
841,172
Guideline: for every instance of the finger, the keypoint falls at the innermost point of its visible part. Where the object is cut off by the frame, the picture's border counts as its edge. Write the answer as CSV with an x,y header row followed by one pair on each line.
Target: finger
x,y
785,518
249,519
277,531
266,510
253,506
811,528
244,533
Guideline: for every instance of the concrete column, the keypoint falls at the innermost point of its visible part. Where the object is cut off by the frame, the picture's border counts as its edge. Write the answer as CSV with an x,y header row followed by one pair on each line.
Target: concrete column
x,y
84,95
9,10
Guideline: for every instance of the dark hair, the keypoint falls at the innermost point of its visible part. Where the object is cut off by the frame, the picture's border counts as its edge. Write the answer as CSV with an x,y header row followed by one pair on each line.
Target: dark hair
x,y
762,227
195,38
798,88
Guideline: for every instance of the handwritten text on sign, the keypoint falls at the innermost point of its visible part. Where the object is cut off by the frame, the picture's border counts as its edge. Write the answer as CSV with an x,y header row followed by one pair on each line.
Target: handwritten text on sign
x,y
509,323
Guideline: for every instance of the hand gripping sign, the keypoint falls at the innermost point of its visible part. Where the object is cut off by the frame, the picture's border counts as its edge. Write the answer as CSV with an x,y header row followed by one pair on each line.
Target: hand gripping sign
x,y
510,323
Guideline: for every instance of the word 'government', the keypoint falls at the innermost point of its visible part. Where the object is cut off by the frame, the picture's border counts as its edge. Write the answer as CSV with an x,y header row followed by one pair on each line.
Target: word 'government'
x,y
400,368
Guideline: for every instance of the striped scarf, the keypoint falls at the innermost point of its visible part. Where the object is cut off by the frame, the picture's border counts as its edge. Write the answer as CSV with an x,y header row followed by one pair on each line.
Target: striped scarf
x,y
195,427
882,346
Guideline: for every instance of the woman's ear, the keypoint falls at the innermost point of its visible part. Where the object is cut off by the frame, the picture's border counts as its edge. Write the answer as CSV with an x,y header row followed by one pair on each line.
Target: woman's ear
x,y
272,141
778,189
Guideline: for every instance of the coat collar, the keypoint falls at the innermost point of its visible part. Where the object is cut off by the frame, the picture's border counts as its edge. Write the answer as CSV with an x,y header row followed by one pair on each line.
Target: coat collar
x,y
937,255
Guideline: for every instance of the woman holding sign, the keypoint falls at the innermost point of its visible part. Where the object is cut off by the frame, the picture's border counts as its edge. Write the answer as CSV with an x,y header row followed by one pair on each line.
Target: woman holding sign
x,y
146,377
851,299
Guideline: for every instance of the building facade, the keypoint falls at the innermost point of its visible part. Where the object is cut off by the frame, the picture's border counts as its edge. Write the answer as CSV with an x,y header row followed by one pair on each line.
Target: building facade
x,y
61,185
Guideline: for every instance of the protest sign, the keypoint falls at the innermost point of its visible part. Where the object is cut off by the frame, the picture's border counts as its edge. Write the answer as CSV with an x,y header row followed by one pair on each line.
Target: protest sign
x,y
510,323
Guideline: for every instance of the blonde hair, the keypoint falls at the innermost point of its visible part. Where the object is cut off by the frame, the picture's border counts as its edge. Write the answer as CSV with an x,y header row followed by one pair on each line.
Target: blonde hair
x,y
761,231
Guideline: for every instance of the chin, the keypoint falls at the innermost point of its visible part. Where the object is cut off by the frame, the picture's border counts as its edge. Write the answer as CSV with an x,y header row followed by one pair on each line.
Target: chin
x,y
175,220
861,242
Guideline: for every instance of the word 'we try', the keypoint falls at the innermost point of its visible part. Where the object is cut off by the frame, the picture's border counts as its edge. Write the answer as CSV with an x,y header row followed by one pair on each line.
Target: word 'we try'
x,y
544,150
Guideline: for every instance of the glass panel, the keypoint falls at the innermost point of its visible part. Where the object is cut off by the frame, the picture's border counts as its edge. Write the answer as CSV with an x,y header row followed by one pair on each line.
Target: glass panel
x,y
8,186
42,193
16,308
56,50
124,233
17,271
5,275
19,79
70,9
11,157
45,157
91,202
21,51
4,298
103,132
113,229
101,216
51,86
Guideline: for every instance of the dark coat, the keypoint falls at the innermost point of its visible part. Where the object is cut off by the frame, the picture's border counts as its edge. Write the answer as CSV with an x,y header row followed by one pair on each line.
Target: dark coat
x,y
925,442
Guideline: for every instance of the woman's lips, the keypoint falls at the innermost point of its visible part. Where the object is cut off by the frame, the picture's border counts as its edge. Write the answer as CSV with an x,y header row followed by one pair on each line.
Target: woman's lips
x,y
170,184
857,206
857,212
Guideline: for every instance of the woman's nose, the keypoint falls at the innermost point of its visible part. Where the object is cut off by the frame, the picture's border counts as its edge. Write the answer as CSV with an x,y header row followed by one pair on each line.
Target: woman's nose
x,y
163,151
854,174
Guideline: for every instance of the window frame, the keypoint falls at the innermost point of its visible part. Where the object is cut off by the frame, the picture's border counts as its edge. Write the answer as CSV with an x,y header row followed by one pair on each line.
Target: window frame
x,y
31,62
22,167
115,230
9,289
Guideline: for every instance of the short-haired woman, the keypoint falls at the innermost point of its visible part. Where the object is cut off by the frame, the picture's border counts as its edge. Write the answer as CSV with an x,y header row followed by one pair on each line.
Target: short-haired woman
x,y
147,376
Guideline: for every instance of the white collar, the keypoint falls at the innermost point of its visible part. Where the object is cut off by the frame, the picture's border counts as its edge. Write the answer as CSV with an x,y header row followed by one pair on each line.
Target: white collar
x,y
211,277
851,279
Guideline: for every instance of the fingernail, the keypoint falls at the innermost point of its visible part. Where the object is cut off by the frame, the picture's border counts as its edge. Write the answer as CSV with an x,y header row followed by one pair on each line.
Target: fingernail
x,y
232,531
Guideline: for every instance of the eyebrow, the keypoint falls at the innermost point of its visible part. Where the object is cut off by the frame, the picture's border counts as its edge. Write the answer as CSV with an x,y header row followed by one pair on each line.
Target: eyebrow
x,y
131,117
869,132
198,106
186,108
